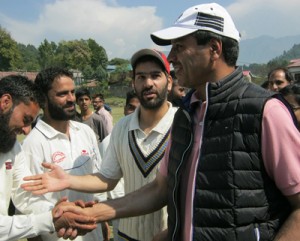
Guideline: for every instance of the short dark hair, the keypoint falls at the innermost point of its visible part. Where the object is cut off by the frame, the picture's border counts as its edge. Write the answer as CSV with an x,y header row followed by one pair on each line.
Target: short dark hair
x,y
130,95
230,47
98,96
81,92
287,74
21,89
292,89
45,78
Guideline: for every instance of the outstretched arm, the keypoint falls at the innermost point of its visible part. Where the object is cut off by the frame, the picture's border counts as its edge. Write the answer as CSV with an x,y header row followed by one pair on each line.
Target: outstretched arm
x,y
147,199
57,180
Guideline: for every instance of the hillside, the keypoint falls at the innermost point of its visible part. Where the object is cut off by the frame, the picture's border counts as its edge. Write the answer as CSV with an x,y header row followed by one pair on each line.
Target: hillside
x,y
265,48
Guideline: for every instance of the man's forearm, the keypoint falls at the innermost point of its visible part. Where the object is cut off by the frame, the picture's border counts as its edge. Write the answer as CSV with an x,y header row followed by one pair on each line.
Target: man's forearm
x,y
290,230
92,183
148,199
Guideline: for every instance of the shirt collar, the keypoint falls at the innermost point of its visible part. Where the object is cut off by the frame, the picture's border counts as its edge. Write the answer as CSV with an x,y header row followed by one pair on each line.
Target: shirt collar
x,y
161,126
50,132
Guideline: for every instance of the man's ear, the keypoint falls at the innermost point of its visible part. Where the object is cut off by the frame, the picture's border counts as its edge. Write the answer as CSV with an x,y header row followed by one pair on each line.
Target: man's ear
x,y
170,82
6,102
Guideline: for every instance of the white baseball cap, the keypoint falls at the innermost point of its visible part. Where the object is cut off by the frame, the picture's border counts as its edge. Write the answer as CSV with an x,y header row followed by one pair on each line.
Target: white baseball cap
x,y
208,17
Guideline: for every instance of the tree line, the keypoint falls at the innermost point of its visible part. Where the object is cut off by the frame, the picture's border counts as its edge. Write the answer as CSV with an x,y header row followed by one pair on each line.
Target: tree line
x,y
86,56
90,58
262,70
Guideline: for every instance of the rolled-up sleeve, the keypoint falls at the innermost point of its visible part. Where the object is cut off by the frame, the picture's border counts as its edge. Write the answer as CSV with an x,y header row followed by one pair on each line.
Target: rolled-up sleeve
x,y
280,147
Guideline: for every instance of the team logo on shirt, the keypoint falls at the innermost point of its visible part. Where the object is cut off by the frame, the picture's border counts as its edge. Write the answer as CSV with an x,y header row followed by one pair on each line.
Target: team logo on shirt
x,y
8,165
84,153
58,157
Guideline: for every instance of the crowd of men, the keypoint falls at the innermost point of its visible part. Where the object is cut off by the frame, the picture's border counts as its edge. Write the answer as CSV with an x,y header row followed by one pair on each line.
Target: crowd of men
x,y
220,161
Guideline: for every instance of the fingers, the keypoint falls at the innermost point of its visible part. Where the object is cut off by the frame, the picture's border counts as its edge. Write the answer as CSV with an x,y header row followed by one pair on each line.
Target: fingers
x,y
61,232
68,233
69,207
36,187
80,203
58,210
63,199
85,223
74,234
90,203
69,225
86,227
32,178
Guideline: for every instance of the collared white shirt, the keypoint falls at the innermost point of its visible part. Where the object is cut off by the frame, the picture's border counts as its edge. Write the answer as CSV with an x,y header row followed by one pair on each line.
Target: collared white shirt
x,y
77,155
12,172
119,161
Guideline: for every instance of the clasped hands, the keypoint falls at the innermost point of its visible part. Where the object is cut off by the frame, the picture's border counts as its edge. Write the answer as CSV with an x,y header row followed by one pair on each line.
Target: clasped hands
x,y
70,218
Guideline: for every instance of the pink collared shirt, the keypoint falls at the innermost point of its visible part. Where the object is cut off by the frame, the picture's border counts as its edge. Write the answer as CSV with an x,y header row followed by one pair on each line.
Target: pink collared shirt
x,y
280,151
108,119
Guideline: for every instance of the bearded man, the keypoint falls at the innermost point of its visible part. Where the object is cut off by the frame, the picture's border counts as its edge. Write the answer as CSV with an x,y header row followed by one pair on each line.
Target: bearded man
x,y
56,138
20,102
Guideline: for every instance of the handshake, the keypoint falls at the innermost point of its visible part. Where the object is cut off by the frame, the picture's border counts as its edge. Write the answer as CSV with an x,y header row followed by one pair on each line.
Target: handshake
x,y
71,219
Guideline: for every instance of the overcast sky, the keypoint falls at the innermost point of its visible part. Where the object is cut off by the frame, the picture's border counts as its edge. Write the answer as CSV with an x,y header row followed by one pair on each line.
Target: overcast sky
x,y
124,26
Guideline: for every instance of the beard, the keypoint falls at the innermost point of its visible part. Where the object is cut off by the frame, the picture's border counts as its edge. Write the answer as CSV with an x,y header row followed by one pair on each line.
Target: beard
x,y
59,113
155,103
7,136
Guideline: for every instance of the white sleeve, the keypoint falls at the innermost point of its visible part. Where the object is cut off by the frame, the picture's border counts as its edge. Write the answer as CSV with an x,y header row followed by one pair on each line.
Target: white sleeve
x,y
97,163
110,167
24,201
25,226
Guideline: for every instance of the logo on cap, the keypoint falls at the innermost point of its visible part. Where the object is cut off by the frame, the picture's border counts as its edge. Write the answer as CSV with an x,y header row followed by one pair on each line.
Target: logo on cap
x,y
209,21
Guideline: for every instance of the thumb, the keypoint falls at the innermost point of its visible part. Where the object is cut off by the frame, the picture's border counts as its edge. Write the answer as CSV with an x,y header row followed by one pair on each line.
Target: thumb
x,y
57,212
48,165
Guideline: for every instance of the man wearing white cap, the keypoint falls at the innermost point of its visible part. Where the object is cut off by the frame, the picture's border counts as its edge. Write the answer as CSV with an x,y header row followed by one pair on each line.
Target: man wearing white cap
x,y
231,186
231,169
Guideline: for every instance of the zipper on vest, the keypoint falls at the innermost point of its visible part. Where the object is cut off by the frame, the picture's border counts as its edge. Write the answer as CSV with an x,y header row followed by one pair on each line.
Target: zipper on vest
x,y
200,149
257,233
176,178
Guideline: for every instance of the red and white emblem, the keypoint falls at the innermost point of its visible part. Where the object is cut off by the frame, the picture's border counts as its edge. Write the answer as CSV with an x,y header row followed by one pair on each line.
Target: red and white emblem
x,y
8,165
58,157
84,153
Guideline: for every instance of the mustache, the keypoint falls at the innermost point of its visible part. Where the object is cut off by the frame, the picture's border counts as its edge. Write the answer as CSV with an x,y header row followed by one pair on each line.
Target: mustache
x,y
69,104
149,91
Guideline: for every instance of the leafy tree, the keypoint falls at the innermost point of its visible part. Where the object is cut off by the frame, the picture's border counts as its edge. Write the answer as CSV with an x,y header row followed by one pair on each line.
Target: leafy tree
x,y
88,72
98,55
47,52
10,57
73,54
101,77
120,75
100,74
30,56
119,61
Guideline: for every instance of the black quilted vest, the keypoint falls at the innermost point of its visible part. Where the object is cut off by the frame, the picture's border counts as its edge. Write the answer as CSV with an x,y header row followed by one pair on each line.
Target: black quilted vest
x,y
234,198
